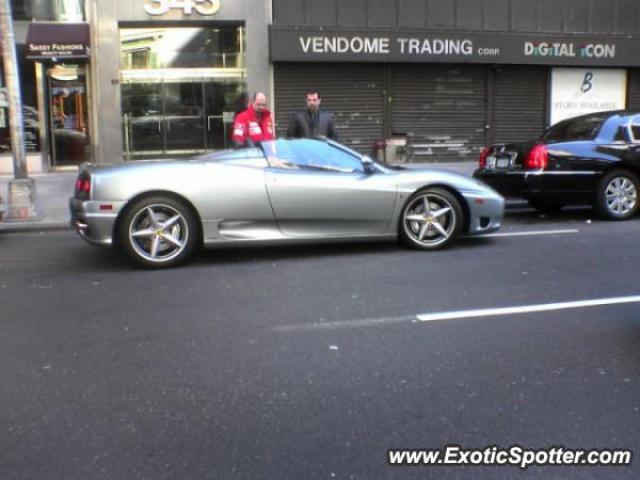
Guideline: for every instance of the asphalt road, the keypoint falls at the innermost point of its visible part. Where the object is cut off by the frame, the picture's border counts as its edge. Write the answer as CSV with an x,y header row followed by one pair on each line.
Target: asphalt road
x,y
312,362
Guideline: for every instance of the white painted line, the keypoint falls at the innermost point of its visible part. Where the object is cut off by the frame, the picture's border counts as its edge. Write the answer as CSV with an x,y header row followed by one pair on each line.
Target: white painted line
x,y
368,322
546,307
430,317
532,232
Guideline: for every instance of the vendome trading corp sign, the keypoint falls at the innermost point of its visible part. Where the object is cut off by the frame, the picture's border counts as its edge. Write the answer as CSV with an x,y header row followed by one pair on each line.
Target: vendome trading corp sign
x,y
308,44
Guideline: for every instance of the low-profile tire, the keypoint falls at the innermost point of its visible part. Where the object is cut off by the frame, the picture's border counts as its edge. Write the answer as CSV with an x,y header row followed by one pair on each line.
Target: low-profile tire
x,y
545,206
431,219
158,232
617,196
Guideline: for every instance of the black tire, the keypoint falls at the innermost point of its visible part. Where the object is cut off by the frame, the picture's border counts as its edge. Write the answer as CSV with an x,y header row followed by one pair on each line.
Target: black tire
x,y
617,195
421,229
546,206
158,232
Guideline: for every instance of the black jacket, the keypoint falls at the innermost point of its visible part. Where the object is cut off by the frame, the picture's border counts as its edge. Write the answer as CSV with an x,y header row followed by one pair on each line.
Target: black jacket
x,y
303,125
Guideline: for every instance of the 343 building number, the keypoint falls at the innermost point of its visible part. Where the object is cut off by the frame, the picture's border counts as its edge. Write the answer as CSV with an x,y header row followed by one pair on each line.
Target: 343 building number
x,y
162,7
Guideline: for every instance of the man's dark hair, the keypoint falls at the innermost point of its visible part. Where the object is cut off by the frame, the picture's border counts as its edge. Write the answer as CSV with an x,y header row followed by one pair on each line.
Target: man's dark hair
x,y
311,91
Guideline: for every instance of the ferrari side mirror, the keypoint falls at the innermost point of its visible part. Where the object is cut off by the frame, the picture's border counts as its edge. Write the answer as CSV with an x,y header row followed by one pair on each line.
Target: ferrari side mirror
x,y
368,165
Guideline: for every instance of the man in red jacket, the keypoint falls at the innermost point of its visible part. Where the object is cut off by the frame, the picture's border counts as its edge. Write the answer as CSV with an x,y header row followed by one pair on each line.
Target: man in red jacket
x,y
254,124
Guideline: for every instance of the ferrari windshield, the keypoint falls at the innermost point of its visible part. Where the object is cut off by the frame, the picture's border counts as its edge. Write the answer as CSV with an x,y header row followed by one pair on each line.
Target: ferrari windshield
x,y
311,154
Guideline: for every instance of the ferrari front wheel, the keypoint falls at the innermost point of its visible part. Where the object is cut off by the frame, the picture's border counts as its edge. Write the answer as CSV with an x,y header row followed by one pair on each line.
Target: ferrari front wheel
x,y
431,219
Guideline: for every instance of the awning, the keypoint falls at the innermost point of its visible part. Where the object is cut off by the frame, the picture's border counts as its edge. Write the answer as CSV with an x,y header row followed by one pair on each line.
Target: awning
x,y
47,41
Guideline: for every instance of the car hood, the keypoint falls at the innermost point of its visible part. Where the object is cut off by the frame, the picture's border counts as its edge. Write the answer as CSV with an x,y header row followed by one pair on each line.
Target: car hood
x,y
409,179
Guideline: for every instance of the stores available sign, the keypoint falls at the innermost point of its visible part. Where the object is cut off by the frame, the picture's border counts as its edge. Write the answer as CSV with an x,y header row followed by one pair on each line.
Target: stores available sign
x,y
333,44
577,91
187,7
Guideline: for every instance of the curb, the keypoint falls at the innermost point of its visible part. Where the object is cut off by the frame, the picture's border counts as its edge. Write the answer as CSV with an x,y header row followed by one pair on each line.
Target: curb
x,y
20,227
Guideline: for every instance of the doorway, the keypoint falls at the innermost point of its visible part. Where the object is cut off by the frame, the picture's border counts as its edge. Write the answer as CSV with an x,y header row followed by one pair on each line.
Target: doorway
x,y
68,119
179,88
177,117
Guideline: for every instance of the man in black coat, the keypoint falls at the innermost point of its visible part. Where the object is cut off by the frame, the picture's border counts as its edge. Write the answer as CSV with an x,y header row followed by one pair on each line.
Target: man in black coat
x,y
312,122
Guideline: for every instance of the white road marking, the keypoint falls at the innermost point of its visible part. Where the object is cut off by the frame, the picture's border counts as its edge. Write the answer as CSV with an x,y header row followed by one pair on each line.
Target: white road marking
x,y
545,307
532,232
368,322
430,317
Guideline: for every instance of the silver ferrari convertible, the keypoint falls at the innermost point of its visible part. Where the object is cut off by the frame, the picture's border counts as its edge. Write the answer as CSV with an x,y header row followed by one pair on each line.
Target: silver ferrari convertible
x,y
285,191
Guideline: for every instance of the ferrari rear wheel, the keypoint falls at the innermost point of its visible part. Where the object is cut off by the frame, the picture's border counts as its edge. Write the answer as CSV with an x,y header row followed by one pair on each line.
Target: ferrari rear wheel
x,y
431,219
158,232
617,197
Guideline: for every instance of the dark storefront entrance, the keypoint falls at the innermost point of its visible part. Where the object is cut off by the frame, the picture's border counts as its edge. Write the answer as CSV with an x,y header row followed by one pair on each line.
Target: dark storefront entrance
x,y
179,116
62,52
179,88
67,100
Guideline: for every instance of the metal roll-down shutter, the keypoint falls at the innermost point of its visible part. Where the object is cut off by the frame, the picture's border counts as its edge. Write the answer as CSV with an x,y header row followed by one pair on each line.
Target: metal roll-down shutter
x,y
441,109
633,98
352,92
519,103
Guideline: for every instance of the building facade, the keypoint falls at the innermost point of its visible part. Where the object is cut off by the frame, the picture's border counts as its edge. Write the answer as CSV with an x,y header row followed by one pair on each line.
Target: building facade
x,y
135,79
445,78
169,76
121,80
37,24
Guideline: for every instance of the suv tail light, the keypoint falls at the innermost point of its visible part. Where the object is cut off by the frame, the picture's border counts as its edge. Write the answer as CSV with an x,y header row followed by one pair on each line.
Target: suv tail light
x,y
537,158
483,156
83,186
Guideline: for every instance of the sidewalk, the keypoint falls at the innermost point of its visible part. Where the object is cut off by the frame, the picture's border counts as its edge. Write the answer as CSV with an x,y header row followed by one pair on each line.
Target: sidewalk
x,y
53,191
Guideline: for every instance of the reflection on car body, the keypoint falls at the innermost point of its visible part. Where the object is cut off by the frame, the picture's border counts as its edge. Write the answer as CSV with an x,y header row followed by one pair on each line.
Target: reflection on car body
x,y
286,191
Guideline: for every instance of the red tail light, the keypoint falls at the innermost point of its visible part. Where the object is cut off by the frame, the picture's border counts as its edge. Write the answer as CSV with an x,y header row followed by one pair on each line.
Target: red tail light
x,y
483,156
83,185
537,158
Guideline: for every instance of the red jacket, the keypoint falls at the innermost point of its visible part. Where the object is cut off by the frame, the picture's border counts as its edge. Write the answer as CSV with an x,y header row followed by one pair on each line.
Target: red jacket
x,y
246,126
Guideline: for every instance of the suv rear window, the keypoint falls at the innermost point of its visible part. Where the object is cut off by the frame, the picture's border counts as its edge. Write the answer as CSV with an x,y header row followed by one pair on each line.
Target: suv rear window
x,y
582,128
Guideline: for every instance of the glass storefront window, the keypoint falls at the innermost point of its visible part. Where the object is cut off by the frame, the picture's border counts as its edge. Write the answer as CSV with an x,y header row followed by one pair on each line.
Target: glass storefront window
x,y
70,11
153,48
179,89
31,125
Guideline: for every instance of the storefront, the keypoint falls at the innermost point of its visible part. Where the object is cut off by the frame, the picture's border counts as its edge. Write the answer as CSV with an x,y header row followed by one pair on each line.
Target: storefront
x,y
53,56
60,54
158,78
170,76
446,78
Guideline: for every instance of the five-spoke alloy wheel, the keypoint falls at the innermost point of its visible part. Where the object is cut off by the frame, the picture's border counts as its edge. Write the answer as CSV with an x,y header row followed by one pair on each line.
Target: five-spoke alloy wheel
x,y
618,195
158,232
431,219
